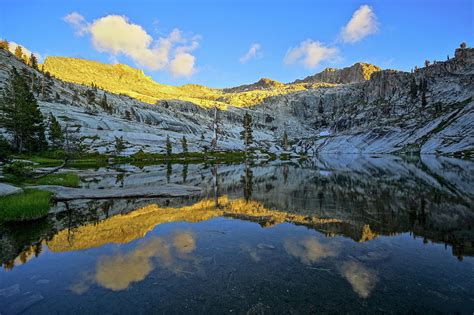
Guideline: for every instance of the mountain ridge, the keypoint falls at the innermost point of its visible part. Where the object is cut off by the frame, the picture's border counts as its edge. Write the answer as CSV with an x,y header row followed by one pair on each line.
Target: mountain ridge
x,y
124,79
428,111
358,72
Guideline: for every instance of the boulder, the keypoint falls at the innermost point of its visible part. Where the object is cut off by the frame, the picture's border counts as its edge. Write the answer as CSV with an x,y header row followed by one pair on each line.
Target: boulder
x,y
6,189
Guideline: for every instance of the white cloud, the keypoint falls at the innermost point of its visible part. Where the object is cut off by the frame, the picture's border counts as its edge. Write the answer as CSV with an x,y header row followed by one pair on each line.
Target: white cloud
x,y
254,52
182,65
310,54
171,53
78,22
362,24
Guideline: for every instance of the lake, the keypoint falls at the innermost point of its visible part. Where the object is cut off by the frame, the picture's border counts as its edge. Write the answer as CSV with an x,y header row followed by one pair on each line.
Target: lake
x,y
340,233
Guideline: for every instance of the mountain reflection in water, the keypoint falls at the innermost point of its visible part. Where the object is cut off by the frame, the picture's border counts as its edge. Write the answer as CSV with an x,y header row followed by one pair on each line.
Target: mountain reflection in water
x,y
335,223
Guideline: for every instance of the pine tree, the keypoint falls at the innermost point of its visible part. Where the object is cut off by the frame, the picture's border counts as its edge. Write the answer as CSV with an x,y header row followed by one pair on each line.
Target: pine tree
x,y
26,59
216,128
90,96
21,115
169,171
56,136
320,107
247,183
73,141
127,115
5,148
19,52
246,134
285,141
413,88
4,44
119,145
169,146
33,62
75,97
184,144
185,172
424,89
105,105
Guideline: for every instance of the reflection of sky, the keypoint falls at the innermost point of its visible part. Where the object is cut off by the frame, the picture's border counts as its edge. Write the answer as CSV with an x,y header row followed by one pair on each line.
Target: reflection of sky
x,y
119,271
361,278
234,262
309,250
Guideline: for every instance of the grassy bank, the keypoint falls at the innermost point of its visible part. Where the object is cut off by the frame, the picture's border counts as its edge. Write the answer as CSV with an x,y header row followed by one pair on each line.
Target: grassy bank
x,y
58,179
190,157
30,205
87,160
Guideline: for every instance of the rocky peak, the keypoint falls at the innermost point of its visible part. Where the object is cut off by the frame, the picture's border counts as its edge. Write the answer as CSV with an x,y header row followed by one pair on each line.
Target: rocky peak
x,y
358,72
262,84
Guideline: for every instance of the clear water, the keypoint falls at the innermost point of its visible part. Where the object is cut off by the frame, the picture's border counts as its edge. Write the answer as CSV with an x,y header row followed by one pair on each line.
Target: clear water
x,y
344,234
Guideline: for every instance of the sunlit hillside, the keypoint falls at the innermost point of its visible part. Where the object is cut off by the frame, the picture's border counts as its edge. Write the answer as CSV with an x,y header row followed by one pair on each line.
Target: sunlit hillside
x,y
123,79
121,229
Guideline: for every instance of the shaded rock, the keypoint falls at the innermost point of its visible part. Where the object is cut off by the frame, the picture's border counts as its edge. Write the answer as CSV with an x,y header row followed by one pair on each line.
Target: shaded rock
x,y
6,189
169,190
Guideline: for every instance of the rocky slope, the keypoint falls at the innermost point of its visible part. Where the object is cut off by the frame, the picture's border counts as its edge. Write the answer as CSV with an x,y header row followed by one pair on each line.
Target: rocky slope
x,y
385,114
358,72
123,79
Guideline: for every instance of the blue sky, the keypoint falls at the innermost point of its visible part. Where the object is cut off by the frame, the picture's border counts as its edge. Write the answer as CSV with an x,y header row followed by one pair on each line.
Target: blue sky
x,y
205,42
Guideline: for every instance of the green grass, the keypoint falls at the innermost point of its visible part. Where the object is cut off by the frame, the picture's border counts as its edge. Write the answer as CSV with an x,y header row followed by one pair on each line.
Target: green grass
x,y
60,179
190,157
30,205
87,163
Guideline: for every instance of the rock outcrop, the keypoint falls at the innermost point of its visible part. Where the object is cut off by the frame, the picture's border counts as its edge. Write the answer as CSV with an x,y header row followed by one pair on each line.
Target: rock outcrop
x,y
358,72
428,111
6,190
262,84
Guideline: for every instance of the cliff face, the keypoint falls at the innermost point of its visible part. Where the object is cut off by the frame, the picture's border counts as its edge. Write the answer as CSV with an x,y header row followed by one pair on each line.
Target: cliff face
x,y
359,72
385,114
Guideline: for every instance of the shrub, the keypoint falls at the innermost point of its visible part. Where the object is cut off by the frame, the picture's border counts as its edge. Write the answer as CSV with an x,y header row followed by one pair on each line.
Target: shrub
x,y
5,148
18,169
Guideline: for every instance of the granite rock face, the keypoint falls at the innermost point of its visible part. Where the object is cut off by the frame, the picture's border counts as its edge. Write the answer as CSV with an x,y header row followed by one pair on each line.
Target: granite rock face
x,y
358,72
428,111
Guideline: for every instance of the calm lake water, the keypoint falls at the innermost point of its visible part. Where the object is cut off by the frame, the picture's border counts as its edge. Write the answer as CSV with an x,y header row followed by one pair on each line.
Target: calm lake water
x,y
346,234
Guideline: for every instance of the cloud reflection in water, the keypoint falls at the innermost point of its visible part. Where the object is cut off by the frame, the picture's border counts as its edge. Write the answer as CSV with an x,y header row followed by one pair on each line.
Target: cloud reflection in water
x,y
119,271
